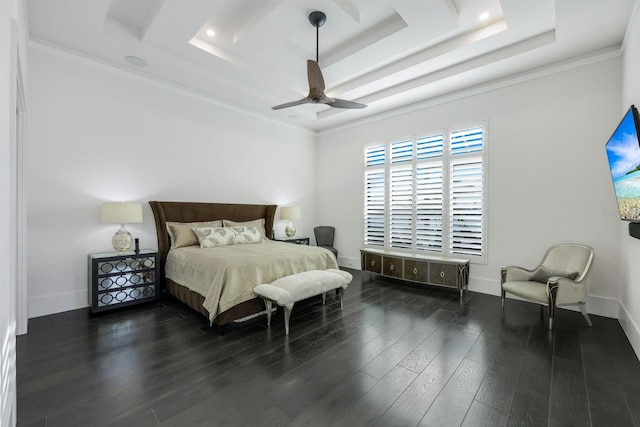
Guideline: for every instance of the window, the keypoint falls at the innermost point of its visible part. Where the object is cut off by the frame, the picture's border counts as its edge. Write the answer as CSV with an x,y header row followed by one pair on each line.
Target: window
x,y
426,194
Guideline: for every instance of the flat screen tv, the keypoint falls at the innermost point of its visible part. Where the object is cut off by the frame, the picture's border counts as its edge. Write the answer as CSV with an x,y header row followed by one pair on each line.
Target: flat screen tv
x,y
623,151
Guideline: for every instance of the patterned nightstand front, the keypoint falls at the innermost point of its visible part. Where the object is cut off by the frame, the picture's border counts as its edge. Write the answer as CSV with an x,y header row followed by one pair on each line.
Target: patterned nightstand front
x,y
120,279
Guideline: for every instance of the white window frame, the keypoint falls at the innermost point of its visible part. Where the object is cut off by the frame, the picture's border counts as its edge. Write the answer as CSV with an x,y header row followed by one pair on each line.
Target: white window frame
x,y
447,160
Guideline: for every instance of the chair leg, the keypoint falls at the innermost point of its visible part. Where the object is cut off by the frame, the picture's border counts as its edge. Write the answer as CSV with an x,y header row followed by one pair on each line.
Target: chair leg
x,y
267,303
503,278
287,315
552,304
583,309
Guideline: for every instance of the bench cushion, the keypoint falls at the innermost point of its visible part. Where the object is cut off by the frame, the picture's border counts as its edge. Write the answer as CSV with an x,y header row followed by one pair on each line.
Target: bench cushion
x,y
299,286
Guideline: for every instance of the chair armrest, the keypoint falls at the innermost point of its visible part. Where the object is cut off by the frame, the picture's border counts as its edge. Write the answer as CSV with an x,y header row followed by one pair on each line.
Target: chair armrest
x,y
567,291
508,274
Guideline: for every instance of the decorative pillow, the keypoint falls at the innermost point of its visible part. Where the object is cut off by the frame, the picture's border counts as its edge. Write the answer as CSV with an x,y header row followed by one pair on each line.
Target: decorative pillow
x,y
181,233
257,223
211,237
544,274
246,235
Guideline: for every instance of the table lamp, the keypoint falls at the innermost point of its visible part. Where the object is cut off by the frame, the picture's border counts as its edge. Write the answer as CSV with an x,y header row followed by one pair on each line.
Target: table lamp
x,y
290,212
121,213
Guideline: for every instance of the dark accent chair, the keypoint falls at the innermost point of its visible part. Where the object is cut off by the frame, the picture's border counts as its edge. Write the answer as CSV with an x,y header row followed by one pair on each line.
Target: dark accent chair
x,y
324,237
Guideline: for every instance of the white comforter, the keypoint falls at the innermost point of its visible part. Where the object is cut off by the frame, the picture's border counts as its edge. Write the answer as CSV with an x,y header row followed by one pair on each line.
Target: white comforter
x,y
226,275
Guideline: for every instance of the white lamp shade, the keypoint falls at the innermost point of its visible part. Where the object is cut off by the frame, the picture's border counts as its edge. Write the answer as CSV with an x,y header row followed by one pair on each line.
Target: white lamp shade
x,y
290,212
121,213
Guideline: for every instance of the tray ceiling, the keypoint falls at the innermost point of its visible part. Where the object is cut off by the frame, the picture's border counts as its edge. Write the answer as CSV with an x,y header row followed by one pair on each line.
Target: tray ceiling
x,y
384,53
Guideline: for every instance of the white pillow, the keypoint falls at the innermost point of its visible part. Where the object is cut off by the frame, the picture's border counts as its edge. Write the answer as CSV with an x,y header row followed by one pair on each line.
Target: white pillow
x,y
211,237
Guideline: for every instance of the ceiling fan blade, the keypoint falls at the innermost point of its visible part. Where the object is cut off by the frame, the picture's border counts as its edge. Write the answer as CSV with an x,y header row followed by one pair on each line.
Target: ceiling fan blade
x,y
316,82
293,103
342,103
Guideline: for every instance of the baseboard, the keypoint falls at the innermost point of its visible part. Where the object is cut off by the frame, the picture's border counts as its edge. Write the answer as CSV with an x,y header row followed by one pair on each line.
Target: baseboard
x,y
349,262
601,306
630,329
51,304
484,286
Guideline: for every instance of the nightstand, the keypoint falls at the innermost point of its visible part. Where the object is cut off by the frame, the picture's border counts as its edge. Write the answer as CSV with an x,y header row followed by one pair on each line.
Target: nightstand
x,y
121,279
296,240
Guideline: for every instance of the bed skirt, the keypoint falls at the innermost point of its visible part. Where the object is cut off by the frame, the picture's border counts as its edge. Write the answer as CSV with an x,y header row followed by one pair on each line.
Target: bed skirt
x,y
195,301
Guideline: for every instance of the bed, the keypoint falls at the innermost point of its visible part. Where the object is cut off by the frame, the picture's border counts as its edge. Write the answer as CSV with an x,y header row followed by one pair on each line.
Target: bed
x,y
218,282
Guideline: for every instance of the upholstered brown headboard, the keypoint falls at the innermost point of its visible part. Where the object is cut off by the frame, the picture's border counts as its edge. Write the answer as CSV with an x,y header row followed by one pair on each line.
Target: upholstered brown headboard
x,y
196,212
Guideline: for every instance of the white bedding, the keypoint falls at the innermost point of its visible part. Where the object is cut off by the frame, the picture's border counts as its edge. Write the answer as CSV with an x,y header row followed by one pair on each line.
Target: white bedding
x,y
226,275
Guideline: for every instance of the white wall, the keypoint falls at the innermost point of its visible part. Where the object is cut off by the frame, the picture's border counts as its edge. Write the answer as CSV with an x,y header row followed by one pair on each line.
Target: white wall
x,y
629,246
98,134
12,65
548,177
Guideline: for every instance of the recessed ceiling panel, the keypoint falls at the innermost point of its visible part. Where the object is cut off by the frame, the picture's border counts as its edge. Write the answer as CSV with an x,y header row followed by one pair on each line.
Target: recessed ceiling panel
x,y
385,53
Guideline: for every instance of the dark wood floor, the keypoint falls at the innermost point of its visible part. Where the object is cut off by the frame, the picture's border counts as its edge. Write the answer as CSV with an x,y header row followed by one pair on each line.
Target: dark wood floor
x,y
398,355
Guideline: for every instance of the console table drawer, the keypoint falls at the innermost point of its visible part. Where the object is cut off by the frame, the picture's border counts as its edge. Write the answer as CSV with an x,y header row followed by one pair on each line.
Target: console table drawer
x,y
416,271
443,274
392,266
372,263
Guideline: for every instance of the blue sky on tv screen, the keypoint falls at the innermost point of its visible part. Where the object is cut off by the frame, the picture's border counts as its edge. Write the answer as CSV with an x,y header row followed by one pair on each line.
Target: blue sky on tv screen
x,y
622,149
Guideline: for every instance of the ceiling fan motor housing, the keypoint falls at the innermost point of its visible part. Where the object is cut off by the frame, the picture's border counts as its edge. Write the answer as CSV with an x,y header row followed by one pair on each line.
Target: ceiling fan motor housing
x,y
317,18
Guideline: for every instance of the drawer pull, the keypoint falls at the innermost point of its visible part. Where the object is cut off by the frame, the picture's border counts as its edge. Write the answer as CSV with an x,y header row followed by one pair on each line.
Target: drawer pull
x,y
391,267
415,270
373,263
442,274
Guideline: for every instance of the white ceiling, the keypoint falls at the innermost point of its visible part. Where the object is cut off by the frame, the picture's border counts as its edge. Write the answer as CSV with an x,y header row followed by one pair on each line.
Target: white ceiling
x,y
384,53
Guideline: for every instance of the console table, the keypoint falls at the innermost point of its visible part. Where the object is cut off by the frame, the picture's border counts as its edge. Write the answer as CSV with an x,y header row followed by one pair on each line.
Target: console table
x,y
433,270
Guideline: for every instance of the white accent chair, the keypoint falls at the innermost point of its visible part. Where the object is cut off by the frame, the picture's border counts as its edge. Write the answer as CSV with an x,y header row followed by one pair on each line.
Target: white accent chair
x,y
562,278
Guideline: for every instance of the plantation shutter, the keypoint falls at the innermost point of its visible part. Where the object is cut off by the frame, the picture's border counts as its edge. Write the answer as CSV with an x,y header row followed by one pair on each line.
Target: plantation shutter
x,y
426,194
466,185
374,193
429,205
401,207
375,156
429,193
402,151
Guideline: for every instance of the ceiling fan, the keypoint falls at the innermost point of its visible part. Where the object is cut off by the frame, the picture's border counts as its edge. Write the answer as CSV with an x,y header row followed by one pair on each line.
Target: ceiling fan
x,y
316,82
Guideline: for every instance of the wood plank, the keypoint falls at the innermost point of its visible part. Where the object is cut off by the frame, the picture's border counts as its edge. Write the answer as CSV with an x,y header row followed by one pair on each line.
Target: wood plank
x,y
411,406
373,404
569,401
481,415
452,404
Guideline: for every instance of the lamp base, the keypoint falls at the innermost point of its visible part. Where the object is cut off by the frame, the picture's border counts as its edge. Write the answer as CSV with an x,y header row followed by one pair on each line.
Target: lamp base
x,y
290,230
122,240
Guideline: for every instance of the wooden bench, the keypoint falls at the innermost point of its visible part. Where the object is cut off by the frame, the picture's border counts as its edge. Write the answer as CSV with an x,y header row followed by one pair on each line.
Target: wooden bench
x,y
290,289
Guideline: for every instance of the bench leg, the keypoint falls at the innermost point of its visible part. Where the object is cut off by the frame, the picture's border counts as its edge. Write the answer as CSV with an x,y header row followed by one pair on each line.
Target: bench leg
x,y
287,315
267,303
